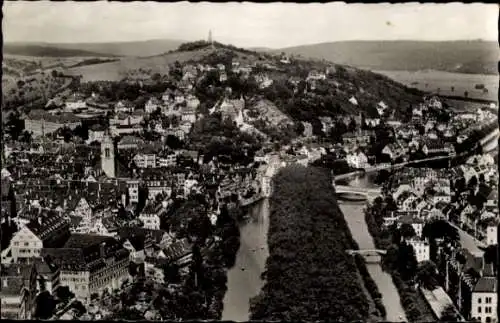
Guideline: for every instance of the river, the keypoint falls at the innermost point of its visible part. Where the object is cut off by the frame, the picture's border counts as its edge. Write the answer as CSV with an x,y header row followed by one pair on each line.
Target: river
x,y
354,215
243,280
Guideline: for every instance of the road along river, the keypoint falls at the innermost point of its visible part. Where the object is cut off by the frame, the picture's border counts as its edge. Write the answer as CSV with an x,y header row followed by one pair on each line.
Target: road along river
x,y
243,280
355,218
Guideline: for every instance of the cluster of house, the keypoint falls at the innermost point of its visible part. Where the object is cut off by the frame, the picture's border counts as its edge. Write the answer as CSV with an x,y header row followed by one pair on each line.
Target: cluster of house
x,y
75,212
467,196
423,134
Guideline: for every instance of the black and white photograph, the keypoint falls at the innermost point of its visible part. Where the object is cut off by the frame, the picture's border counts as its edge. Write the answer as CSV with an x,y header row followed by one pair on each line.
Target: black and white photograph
x,y
244,161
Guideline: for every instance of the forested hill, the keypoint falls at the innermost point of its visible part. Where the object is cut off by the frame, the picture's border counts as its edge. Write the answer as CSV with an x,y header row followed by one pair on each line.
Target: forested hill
x,y
475,57
344,90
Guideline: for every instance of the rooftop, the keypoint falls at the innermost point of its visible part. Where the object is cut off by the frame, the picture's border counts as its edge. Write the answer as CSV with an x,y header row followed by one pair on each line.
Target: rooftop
x,y
486,285
63,117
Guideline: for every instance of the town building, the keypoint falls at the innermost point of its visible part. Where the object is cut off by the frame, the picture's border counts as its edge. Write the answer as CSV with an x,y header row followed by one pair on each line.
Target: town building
x,y
40,123
421,248
484,300
96,133
18,291
47,230
89,264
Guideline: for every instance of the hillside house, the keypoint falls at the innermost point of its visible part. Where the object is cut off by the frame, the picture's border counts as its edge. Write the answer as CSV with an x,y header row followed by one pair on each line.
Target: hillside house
x,y
308,129
152,104
192,102
263,80
188,115
360,138
124,106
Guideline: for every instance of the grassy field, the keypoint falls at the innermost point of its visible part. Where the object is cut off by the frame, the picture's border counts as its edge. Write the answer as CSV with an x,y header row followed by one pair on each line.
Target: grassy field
x,y
432,80
115,71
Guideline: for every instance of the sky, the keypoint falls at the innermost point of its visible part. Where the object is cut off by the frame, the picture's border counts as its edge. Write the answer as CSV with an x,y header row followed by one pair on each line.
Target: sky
x,y
273,25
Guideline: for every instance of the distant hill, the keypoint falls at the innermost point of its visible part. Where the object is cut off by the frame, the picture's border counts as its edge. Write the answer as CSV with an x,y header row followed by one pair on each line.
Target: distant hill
x,y
48,51
476,57
134,48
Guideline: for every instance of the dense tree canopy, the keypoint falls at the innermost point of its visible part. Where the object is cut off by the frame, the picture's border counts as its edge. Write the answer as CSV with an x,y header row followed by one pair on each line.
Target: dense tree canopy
x,y
301,282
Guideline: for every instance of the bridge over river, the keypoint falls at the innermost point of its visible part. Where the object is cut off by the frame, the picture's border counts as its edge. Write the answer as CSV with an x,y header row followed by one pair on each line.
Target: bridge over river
x,y
367,193
372,256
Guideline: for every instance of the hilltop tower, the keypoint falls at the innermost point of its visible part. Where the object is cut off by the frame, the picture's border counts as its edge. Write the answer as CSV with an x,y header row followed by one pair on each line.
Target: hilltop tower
x,y
210,38
108,156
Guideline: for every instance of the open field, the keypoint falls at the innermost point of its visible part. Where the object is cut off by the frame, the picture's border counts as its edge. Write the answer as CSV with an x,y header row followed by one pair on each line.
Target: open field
x,y
115,71
432,80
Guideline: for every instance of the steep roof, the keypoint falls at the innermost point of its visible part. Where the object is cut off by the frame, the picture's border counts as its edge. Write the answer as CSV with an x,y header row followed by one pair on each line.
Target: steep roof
x,y
137,241
45,268
51,226
126,232
486,285
85,240
131,140
177,250
82,252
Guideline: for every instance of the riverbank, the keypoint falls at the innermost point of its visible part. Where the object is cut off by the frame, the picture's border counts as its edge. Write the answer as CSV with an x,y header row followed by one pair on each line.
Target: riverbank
x,y
301,282
413,302
354,216
244,278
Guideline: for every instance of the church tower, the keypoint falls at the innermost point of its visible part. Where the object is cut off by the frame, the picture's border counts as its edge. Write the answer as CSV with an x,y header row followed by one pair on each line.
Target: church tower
x,y
108,156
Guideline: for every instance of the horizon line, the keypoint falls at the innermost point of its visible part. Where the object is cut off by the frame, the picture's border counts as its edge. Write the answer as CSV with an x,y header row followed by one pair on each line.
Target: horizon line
x,y
257,46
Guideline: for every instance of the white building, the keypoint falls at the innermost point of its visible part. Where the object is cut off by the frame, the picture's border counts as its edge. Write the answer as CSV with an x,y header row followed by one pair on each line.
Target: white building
x,y
72,105
145,160
484,300
491,234
133,190
421,248
150,218
96,133
27,243
152,104
357,160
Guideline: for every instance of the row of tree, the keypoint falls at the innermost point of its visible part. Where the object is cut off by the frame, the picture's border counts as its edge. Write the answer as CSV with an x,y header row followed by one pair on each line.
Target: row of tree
x,y
308,234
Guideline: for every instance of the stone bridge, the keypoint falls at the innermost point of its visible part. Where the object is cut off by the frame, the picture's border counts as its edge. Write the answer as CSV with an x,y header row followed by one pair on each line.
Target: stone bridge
x,y
368,193
367,252
371,256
